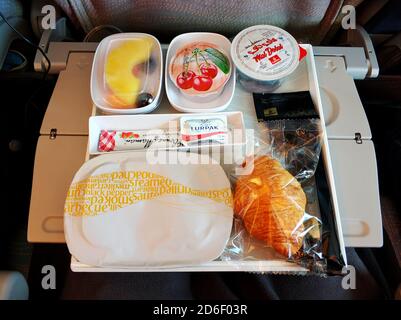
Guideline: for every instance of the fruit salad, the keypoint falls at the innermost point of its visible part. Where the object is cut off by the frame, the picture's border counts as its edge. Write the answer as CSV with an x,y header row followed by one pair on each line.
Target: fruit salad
x,y
200,68
127,67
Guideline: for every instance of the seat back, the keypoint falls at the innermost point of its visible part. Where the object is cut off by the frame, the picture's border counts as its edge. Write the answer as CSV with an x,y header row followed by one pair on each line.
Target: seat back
x,y
309,21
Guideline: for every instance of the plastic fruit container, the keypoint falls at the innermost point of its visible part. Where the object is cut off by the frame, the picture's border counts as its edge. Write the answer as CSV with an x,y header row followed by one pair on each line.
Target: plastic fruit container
x,y
127,74
199,67
264,56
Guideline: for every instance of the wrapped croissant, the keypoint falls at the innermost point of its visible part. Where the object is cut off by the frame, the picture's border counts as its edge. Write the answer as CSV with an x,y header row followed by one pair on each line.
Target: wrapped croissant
x,y
271,204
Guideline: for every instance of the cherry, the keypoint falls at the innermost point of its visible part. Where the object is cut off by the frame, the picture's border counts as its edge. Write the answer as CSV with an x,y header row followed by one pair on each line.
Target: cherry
x,y
144,99
185,79
202,83
208,70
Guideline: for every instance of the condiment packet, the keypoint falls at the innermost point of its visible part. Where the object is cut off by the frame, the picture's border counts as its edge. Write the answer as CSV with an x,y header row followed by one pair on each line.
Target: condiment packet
x,y
201,129
290,105
112,140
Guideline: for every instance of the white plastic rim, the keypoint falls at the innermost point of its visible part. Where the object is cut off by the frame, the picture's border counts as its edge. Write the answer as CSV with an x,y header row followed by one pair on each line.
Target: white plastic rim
x,y
251,34
186,38
99,58
182,102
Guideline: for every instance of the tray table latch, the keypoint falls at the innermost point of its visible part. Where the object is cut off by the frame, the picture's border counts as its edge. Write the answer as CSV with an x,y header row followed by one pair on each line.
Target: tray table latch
x,y
358,138
53,134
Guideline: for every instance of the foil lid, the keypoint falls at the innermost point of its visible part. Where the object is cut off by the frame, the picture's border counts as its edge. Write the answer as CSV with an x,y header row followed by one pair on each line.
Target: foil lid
x,y
265,52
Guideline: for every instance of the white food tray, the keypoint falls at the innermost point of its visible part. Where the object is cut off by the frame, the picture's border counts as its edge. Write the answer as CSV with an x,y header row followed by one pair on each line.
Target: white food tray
x,y
304,78
235,122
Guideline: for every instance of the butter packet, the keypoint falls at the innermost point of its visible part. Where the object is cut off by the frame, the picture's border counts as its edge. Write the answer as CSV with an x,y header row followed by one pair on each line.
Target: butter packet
x,y
204,129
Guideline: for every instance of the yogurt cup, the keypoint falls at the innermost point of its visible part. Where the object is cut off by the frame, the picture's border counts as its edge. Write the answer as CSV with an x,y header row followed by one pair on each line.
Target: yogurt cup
x,y
264,56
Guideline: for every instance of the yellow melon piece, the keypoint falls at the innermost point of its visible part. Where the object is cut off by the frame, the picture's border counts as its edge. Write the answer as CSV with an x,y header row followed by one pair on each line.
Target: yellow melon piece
x,y
118,69
117,103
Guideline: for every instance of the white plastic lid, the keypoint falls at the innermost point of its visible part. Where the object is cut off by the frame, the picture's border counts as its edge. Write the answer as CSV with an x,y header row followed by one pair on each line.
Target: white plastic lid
x,y
265,52
122,211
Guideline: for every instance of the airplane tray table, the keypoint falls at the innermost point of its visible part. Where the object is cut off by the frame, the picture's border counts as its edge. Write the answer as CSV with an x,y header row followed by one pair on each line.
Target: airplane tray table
x,y
303,79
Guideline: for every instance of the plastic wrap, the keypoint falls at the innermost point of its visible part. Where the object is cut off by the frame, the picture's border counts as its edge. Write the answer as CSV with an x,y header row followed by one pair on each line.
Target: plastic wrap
x,y
127,74
276,200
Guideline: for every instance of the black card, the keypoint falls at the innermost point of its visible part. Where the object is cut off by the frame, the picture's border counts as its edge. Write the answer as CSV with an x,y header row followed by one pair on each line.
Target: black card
x,y
290,105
